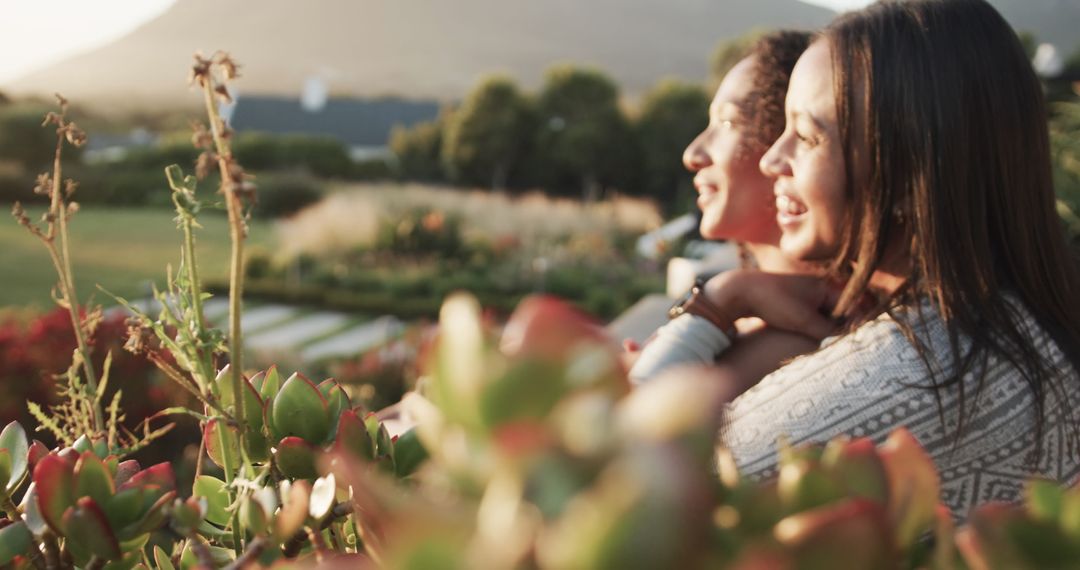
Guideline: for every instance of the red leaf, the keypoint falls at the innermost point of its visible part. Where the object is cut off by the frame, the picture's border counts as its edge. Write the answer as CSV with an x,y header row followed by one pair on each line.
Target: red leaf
x,y
125,470
547,327
160,475
54,480
36,453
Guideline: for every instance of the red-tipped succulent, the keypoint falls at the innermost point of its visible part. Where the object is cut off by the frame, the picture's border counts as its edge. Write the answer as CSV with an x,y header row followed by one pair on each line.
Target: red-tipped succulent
x,y
104,508
294,421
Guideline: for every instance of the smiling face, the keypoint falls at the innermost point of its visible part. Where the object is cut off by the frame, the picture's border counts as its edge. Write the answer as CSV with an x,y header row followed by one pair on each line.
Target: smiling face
x,y
807,163
735,198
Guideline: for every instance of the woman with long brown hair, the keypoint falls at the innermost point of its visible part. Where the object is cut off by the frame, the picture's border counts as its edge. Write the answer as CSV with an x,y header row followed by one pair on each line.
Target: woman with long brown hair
x,y
915,164
737,204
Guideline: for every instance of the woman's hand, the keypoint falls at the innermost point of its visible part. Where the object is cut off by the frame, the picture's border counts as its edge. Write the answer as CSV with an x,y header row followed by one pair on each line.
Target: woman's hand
x,y
788,302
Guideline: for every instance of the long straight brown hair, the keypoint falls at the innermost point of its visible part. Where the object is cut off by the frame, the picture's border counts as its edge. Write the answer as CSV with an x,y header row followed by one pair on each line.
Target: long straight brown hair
x,y
942,95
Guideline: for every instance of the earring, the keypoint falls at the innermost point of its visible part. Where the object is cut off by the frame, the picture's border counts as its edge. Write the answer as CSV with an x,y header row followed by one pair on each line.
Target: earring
x,y
898,214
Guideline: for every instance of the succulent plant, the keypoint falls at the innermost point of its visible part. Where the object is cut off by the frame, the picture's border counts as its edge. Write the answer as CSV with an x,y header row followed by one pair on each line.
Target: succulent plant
x,y
294,421
105,509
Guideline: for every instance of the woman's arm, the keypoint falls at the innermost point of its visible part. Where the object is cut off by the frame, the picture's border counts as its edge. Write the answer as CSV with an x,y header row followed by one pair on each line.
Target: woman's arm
x,y
756,354
789,304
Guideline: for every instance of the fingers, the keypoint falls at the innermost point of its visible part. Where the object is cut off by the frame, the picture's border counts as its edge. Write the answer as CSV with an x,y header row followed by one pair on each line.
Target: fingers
x,y
789,302
793,303
795,314
630,345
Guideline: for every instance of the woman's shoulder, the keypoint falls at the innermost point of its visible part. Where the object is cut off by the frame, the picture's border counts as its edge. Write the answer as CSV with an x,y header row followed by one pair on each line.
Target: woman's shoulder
x,y
881,345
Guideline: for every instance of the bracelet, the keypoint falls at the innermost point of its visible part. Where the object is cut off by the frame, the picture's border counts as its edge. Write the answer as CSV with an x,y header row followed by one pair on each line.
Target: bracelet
x,y
697,303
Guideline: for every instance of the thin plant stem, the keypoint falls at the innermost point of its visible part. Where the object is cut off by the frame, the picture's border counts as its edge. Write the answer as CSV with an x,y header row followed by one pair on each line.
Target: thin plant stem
x,y
236,266
195,290
9,507
62,260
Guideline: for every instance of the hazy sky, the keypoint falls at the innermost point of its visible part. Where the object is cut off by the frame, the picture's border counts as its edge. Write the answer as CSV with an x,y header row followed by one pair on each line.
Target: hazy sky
x,y
35,33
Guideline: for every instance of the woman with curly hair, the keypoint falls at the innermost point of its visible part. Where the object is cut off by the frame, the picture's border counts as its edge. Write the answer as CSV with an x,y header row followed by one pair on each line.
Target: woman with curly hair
x,y
736,201
915,165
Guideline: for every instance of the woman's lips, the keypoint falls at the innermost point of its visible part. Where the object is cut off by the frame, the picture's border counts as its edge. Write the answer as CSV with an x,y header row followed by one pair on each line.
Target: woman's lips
x,y
705,194
789,211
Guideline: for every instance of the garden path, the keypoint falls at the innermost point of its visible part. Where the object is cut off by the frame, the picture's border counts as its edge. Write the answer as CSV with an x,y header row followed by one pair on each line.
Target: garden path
x,y
297,331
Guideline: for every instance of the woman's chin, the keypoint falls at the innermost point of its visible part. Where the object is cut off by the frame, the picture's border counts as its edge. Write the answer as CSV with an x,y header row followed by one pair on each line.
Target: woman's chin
x,y
801,248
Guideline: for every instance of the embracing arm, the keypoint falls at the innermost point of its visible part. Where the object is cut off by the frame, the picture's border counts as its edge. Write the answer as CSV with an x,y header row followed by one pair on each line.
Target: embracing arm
x,y
758,353
788,303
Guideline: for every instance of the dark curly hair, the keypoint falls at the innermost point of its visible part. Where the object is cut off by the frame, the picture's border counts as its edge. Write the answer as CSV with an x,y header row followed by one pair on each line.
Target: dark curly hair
x,y
775,55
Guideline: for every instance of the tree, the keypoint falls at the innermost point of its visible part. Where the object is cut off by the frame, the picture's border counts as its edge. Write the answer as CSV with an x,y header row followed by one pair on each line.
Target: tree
x,y
672,114
488,137
583,139
418,149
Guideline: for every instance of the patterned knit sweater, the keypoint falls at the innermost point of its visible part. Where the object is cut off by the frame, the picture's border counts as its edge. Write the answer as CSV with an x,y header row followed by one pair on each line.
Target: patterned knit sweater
x,y
864,384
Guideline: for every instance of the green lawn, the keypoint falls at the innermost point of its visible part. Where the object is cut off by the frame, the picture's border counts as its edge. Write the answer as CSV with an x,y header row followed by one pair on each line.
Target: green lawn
x,y
120,249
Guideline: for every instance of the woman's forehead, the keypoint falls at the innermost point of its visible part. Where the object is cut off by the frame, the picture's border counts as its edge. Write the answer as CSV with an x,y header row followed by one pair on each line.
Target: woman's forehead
x,y
811,87
737,84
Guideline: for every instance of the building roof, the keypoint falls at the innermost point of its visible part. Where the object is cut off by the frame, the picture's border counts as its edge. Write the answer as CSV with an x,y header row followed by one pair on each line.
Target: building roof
x,y
356,122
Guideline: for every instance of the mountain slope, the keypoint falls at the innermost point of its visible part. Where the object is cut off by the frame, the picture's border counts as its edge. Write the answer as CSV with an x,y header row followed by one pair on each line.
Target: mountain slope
x,y
415,48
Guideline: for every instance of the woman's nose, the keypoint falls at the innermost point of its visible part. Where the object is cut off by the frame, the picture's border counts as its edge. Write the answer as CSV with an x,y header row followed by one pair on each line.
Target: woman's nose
x,y
695,157
772,163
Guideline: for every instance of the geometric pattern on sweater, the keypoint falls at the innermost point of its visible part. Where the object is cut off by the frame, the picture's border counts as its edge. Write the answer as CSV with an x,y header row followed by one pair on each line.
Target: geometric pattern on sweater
x,y
865,384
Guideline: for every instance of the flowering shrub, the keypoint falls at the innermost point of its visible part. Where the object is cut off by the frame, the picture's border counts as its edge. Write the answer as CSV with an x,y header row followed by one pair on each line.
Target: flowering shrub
x,y
34,351
529,451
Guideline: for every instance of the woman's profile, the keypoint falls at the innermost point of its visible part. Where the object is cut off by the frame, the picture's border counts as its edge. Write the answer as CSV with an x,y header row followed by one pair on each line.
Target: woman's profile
x,y
736,200
915,164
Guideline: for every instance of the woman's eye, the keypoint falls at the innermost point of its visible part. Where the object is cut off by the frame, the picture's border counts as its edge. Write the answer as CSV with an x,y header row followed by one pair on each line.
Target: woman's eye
x,y
804,138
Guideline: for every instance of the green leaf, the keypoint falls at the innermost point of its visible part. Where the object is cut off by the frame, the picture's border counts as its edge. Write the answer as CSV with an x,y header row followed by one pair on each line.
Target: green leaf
x,y
151,520
270,384
295,459
257,445
5,469
252,517
220,556
409,454
222,444
337,401
384,445
125,507
1070,514
92,479
857,467
300,410
83,444
527,391
89,533
14,440
353,437
222,387
914,486
162,560
803,485
185,516
130,560
15,540
1044,500
217,498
